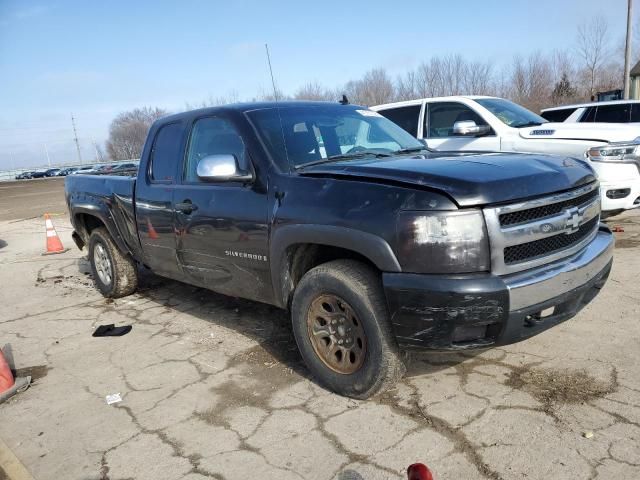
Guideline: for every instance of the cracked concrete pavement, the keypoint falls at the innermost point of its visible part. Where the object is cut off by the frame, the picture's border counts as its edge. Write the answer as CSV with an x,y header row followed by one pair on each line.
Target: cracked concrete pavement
x,y
213,387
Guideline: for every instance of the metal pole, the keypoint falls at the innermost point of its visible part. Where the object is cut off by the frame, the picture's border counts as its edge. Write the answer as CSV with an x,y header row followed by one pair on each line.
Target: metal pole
x,y
75,137
95,147
627,52
47,152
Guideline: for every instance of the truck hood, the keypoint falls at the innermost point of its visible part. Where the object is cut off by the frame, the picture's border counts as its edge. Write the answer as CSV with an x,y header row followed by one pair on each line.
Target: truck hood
x,y
603,132
470,179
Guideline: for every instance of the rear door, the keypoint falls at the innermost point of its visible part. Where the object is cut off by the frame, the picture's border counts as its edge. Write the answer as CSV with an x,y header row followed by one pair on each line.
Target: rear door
x,y
222,239
154,200
438,128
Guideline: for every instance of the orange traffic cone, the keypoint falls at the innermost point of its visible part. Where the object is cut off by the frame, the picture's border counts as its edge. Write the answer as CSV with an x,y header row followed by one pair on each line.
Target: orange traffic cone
x,y
54,245
6,377
8,385
153,235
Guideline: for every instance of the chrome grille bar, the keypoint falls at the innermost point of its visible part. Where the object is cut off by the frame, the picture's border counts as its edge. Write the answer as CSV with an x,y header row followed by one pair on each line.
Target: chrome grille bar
x,y
567,221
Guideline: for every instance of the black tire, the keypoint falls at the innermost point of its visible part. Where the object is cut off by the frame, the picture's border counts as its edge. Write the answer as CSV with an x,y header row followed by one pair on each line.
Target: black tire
x,y
123,278
360,287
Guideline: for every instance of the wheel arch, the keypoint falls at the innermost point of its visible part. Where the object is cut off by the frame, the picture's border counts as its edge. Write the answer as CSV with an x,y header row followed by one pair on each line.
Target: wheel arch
x,y
295,249
88,218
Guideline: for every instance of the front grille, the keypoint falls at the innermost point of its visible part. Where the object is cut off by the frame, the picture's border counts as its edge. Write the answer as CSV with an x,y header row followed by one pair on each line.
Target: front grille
x,y
532,214
549,245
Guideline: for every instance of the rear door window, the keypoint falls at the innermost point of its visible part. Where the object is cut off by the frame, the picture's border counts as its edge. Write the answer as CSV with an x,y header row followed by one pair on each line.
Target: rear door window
x,y
618,113
589,115
557,115
406,117
166,153
635,112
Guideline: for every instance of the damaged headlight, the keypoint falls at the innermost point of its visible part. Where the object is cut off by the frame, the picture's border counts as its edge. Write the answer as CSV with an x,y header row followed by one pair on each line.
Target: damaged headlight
x,y
443,242
622,152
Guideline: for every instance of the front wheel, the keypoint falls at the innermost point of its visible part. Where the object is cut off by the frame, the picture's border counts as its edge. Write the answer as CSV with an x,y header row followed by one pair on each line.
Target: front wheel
x,y
114,274
342,328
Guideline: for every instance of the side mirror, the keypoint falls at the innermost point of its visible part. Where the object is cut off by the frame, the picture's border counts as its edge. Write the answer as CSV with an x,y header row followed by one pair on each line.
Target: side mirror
x,y
468,128
222,168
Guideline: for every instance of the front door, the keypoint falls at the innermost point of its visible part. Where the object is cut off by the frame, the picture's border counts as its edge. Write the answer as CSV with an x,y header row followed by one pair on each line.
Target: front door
x,y
438,129
222,228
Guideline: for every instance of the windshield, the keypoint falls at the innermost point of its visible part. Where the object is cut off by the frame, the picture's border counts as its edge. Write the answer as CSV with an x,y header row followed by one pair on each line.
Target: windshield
x,y
511,113
304,135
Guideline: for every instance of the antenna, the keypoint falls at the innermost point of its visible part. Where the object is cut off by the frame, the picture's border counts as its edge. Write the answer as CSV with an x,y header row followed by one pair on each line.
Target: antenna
x,y
273,82
75,137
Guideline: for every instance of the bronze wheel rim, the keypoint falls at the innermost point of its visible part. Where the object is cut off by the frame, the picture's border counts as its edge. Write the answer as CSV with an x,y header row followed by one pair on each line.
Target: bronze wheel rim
x,y
336,334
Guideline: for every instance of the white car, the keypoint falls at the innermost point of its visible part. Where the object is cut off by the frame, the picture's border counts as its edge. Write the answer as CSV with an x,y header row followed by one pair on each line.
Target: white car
x,y
479,123
615,111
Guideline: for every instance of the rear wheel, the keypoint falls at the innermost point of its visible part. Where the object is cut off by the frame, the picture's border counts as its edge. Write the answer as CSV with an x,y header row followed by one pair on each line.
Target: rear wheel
x,y
114,274
342,328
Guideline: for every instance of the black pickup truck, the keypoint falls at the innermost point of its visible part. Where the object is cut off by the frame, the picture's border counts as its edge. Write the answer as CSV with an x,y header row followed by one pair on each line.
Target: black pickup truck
x,y
372,242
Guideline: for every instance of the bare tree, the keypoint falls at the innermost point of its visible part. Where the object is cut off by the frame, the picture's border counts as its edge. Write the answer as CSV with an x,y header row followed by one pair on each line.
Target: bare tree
x,y
269,95
231,97
314,91
407,86
128,132
591,47
478,79
449,75
531,81
374,88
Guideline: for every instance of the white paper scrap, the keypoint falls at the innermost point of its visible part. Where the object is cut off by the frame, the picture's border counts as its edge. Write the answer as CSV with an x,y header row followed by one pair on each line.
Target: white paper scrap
x,y
113,398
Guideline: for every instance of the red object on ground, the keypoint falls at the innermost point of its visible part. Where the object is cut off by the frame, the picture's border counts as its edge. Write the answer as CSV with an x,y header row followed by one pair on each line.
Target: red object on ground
x,y
419,471
6,377
617,229
54,245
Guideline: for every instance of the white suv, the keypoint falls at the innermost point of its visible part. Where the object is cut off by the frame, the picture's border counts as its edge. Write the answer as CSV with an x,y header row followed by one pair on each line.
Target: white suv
x,y
615,111
478,123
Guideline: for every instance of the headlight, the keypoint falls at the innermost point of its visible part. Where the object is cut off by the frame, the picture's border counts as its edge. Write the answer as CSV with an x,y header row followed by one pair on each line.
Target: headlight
x,y
443,242
616,152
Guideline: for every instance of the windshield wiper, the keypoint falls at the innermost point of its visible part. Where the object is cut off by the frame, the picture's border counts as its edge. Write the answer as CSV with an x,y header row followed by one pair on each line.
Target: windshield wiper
x,y
528,124
411,150
345,156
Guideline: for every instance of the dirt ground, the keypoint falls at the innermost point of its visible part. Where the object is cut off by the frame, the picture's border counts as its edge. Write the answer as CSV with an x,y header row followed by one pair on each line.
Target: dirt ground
x,y
213,387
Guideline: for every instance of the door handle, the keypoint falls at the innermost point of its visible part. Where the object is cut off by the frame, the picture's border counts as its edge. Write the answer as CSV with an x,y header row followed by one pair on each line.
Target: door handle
x,y
186,207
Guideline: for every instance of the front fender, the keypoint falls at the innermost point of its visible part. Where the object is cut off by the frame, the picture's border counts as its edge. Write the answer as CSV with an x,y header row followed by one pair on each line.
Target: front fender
x,y
371,246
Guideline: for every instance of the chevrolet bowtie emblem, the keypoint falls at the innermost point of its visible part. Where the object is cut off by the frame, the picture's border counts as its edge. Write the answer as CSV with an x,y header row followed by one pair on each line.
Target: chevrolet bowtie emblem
x,y
574,220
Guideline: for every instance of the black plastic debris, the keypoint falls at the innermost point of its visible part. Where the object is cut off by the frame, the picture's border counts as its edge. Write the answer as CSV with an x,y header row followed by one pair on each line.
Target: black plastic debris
x,y
111,330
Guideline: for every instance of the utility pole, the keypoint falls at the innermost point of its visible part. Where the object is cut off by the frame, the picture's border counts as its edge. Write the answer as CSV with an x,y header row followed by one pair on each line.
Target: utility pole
x,y
75,137
95,147
46,151
627,52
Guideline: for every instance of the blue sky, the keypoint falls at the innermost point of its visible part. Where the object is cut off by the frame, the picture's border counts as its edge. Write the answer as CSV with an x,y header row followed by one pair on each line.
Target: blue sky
x,y
96,59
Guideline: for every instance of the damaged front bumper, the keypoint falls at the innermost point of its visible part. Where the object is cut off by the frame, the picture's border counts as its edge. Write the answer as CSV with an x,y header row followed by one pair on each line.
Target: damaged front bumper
x,y
469,311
